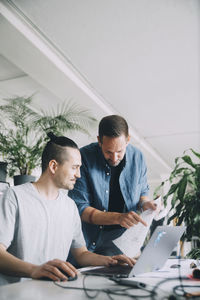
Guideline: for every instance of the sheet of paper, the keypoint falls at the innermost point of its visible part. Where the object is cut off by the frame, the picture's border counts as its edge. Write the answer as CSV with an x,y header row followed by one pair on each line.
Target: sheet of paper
x,y
133,238
163,211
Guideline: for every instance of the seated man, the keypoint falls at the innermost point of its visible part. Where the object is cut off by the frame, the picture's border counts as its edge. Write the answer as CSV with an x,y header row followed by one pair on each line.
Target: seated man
x,y
39,223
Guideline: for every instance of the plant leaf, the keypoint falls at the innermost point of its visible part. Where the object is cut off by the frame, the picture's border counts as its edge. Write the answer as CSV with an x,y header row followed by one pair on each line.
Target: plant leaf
x,y
188,160
182,187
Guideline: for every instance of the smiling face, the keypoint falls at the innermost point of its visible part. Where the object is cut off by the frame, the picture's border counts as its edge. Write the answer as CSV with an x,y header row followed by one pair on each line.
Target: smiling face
x,y
114,148
66,173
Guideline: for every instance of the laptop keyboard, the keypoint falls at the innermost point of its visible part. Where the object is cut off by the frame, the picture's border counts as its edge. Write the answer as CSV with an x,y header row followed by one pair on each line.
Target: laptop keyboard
x,y
119,271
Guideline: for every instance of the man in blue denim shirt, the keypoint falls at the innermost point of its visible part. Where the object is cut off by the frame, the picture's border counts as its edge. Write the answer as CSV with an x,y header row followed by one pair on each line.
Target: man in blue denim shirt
x,y
113,185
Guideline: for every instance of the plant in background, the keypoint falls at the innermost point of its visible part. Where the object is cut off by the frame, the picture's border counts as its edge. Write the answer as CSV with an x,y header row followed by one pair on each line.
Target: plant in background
x,y
194,253
66,117
185,193
18,143
23,131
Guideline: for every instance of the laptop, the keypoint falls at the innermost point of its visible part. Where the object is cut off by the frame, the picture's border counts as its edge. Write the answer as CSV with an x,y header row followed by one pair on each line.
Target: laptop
x,y
153,257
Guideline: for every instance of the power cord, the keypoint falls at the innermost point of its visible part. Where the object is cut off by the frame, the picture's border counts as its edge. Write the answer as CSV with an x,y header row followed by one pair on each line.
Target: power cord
x,y
178,290
109,292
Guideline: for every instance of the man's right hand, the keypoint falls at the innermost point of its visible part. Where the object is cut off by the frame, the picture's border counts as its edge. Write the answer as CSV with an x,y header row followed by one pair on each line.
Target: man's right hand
x,y
94,216
130,219
54,270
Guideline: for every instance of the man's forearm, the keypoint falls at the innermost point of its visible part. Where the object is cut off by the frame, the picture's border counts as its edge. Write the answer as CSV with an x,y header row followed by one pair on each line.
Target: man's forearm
x,y
87,258
13,266
94,216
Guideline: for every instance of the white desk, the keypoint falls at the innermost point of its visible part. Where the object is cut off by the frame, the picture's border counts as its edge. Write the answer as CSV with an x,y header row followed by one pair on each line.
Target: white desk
x,y
47,290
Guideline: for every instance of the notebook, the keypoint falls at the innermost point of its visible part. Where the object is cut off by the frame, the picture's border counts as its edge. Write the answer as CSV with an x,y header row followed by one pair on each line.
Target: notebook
x,y
153,257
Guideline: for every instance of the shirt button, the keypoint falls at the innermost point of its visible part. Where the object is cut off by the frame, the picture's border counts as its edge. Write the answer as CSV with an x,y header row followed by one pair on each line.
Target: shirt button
x,y
93,243
100,227
104,210
106,191
108,174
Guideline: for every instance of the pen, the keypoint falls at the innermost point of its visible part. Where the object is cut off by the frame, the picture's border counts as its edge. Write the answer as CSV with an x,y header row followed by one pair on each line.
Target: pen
x,y
126,282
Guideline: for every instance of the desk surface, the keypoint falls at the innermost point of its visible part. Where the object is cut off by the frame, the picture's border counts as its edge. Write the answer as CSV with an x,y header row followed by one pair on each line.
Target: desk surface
x,y
47,290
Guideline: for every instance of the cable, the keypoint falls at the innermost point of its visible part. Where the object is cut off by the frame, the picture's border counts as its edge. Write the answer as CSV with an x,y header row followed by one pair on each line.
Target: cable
x,y
117,292
178,290
186,294
86,290
124,292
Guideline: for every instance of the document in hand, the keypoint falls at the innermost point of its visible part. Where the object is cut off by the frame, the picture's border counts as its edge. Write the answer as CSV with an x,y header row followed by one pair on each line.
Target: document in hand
x,y
131,241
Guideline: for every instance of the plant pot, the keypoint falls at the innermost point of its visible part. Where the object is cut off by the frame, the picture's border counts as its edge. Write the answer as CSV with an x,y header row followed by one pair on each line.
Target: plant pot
x,y
20,179
3,171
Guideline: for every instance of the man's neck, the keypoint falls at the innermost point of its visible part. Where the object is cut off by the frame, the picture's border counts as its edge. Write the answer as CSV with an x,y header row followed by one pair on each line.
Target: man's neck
x,y
46,188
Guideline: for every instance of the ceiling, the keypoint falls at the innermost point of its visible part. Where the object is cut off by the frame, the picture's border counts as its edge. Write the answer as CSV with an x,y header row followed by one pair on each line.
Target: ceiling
x,y
137,58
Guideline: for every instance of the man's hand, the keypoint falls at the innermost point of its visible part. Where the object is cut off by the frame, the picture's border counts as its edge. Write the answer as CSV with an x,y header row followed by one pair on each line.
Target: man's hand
x,y
130,219
118,259
121,259
149,205
54,270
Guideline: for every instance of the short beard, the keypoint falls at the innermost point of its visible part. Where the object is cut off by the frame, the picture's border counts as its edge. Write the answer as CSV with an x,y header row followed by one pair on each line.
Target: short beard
x,y
115,165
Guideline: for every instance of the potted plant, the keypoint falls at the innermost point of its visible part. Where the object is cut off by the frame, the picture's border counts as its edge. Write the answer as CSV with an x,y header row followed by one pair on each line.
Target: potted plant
x,y
3,171
23,132
185,193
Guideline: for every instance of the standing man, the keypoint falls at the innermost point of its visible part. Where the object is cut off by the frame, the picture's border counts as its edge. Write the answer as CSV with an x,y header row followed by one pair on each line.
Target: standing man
x,y
113,185
39,223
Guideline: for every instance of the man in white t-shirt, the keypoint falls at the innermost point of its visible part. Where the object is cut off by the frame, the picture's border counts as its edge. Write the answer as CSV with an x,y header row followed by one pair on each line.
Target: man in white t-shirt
x,y
39,223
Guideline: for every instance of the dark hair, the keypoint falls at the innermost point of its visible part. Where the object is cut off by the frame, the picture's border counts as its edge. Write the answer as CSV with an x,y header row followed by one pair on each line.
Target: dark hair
x,y
56,149
113,126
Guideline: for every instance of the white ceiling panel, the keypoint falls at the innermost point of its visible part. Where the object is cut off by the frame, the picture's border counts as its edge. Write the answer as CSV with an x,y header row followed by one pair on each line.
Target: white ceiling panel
x,y
140,57
8,70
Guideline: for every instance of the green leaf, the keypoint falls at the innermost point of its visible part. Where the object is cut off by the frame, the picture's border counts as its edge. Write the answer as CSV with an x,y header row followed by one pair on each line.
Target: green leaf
x,y
178,171
180,220
171,218
172,189
182,187
188,160
174,199
176,160
195,153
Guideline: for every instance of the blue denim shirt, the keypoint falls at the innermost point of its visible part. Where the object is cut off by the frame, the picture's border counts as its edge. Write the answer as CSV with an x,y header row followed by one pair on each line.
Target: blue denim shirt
x,y
92,189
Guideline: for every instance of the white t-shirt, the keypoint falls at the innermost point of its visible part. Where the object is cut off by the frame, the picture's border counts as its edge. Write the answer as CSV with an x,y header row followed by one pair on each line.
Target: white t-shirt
x,y
35,229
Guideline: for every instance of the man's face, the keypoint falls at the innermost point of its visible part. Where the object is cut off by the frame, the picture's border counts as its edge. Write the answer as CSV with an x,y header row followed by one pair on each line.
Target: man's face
x,y
66,173
114,149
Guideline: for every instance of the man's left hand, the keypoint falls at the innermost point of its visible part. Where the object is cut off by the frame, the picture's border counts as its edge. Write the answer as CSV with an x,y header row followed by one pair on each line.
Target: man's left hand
x,y
149,205
119,259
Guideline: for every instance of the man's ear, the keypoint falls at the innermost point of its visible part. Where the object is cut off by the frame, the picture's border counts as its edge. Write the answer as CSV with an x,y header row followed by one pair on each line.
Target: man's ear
x,y
128,139
53,166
